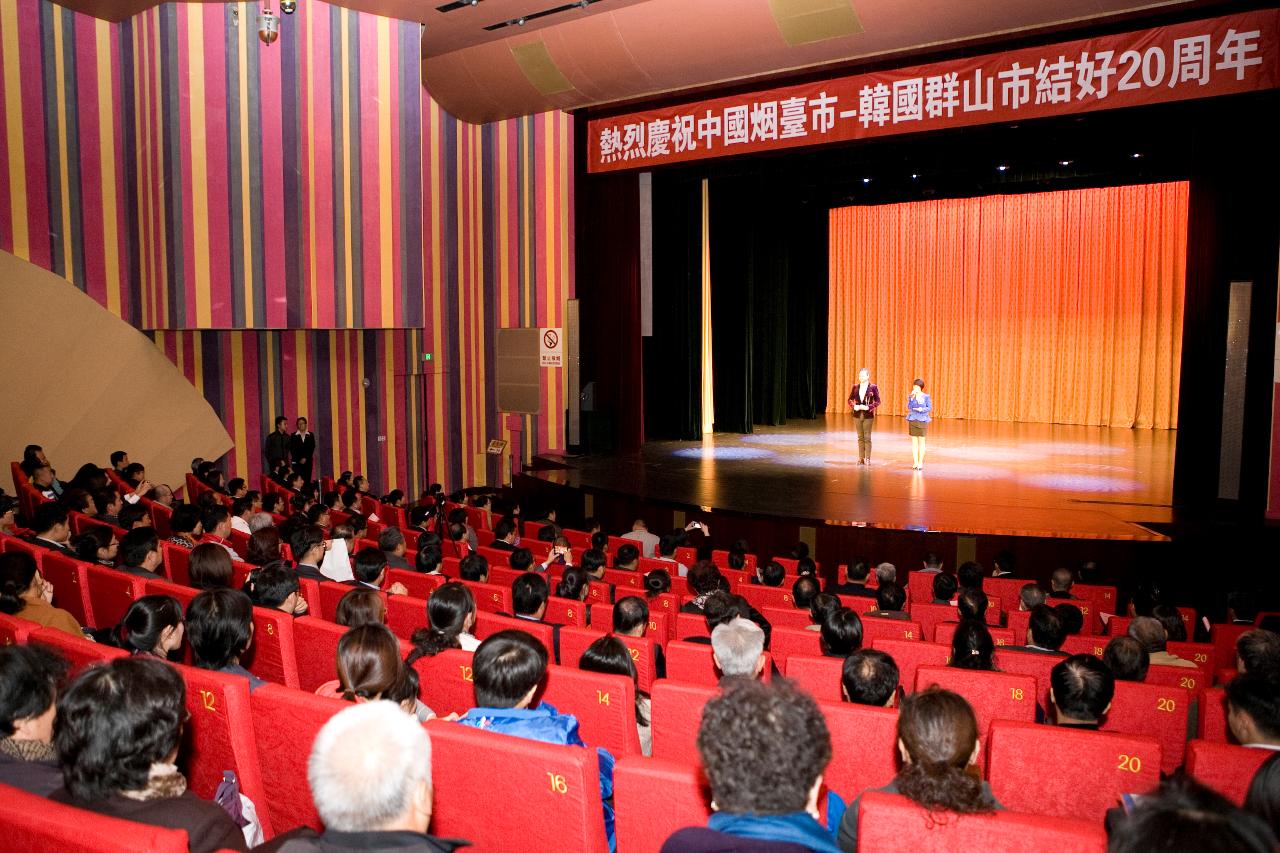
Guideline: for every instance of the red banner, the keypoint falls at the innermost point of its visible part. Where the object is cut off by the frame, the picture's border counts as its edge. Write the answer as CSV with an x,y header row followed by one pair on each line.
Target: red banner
x,y
1200,59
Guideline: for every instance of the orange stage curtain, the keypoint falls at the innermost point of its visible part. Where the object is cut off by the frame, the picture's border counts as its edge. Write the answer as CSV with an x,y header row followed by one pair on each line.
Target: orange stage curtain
x,y
1062,307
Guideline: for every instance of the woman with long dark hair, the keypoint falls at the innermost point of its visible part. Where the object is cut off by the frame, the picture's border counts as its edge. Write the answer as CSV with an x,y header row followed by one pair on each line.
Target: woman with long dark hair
x,y
451,614
608,654
972,647
151,626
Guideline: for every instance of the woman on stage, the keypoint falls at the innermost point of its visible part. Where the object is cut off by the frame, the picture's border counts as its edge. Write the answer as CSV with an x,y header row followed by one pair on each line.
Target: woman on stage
x,y
919,407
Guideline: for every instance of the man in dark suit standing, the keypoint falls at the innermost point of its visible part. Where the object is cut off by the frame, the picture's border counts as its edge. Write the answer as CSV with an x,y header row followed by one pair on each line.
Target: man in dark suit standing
x,y
302,450
864,399
276,447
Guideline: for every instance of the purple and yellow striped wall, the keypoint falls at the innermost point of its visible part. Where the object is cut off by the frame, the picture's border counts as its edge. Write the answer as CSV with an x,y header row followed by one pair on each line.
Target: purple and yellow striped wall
x,y
193,180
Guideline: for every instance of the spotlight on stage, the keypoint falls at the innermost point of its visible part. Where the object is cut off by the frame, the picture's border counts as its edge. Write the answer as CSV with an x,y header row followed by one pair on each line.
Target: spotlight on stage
x,y
1002,168
866,180
1064,162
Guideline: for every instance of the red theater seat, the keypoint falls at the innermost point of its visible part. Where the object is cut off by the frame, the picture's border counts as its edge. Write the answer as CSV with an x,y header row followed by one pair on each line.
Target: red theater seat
x,y
491,598
177,563
1097,768
446,682
70,585
1186,677
550,794
315,645
566,611
272,656
488,624
81,653
892,822
919,587
574,641
693,663
34,824
406,614
690,625
418,584
780,617
604,704
331,594
1225,768
626,582
218,736
654,798
910,655
659,627
993,695
110,594
930,616
160,515
793,641
817,676
766,596
864,747
676,714
500,575
1085,644
1202,655
1154,710
184,594
874,628
1019,622
14,630
1038,666
946,631
285,724
721,559
1211,722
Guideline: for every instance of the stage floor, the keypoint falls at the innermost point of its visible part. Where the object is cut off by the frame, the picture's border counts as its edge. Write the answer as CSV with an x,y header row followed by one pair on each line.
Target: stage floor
x,y
980,477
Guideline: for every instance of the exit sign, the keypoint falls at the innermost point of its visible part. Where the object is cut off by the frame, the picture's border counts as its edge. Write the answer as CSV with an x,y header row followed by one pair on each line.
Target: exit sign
x,y
426,356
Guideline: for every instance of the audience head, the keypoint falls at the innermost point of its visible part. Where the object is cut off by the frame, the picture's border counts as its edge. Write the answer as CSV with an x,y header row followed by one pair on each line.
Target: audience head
x,y
361,606
719,608
1046,630
804,590
1061,580
1031,596
369,665
938,741
656,583
49,521
972,603
1258,652
574,584
1184,815
891,598
428,561
140,549
219,627
152,625
31,677
276,587
370,771
703,577
1127,659
610,655
264,547
1253,709
630,616
1242,605
627,557
119,459
529,594
1171,620
969,575
96,545
1072,618
210,566
841,633
858,570
78,500
738,648
764,749
505,530
944,586
1149,632
186,520
822,604
451,612
886,573
475,568
114,722
132,516
932,562
391,540
772,573
521,559
1081,688
369,566
870,677
216,520
507,669
593,562
972,646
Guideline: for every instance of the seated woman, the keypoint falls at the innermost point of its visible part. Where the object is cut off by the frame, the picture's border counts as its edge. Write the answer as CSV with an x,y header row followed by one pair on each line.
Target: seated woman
x,y
30,677
575,584
972,647
275,586
938,740
451,616
656,583
841,633
26,594
264,546
608,654
220,630
97,545
361,606
119,727
210,567
151,626
369,669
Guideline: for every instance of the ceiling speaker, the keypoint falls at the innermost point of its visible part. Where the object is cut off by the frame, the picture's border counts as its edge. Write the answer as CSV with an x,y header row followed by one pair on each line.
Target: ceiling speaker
x,y
806,21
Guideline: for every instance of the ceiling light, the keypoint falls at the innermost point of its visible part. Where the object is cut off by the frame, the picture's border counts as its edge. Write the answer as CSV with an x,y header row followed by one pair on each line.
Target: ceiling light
x,y
1064,162
866,180
914,176
1002,168
1137,154
519,22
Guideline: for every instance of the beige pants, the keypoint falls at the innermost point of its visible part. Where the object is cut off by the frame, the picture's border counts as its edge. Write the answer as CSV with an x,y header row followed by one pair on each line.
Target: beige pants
x,y
864,437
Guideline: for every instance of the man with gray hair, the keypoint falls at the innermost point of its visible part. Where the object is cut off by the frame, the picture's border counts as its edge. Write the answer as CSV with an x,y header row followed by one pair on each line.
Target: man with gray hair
x,y
1030,596
886,573
259,521
370,776
1153,637
738,649
391,541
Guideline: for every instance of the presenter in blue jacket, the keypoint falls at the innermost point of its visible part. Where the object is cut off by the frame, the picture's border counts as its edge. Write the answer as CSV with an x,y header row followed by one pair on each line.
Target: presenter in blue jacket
x,y
919,408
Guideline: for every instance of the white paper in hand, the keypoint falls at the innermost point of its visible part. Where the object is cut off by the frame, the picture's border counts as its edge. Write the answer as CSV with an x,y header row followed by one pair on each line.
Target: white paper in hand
x,y
336,564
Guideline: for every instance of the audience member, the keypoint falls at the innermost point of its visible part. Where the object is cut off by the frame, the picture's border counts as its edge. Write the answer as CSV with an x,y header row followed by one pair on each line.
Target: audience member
x,y
841,633
1072,618
823,603
972,646
117,733
1242,606
1168,616
370,571
1045,632
1127,659
186,526
575,584
1186,816
361,606
1253,710
627,558
703,579
609,655
308,546
1258,652
220,630
640,533
770,574
870,677
969,575
656,583
1030,596
1263,799
391,541
152,626
971,603
1081,688
370,669
737,646
97,545
803,591
631,619
26,594
1060,584
30,678
944,588
216,522
890,601
140,553
1004,564
52,530
474,568
275,586
1151,634
932,563
210,567
451,618
857,573
765,749
886,573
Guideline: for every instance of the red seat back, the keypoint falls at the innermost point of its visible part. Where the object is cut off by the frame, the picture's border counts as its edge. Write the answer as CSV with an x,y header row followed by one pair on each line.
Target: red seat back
x,y
491,598
693,663
406,614
160,515
331,594
677,713
1102,767
574,641
14,630
643,651
499,575
81,653
910,655
1225,768
418,584
1038,666
1203,655
930,616
876,628
627,582
766,596
488,624
892,822
285,725
946,631
1211,722
782,618
604,704
577,538
566,611
445,681
659,627
818,676
668,603
1019,622
1085,644
551,793
993,695
177,563
110,594
184,594
272,656
1186,677
864,747
70,586
690,625
315,645
219,735
35,824
919,587
1154,710
793,641
654,798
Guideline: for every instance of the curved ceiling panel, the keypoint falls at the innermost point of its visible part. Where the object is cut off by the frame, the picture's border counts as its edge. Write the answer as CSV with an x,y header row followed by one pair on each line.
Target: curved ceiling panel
x,y
616,51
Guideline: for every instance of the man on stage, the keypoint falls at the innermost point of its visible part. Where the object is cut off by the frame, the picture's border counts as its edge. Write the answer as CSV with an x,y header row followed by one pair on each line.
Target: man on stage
x,y
864,399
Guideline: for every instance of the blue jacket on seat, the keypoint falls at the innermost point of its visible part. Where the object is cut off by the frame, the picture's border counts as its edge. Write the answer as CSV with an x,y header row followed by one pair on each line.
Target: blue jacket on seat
x,y
544,723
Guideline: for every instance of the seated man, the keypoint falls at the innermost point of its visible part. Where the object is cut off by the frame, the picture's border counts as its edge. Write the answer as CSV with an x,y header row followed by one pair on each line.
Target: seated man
x,y
971,604
504,535
1258,652
307,543
858,571
627,559
391,541
886,573
1045,633
770,574
216,521
370,570
631,619
932,563
1030,596
667,546
507,670
1253,710
133,516
640,533
370,779
870,677
593,563
474,568
1127,659
241,509
1081,688
1152,635
720,607
52,530
803,591
765,749
737,647
969,575
1072,618
1060,584
944,588
890,599
529,594
140,553
107,504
